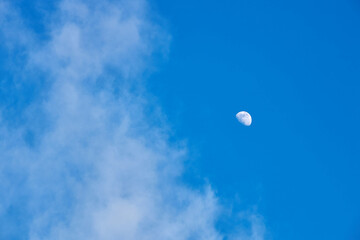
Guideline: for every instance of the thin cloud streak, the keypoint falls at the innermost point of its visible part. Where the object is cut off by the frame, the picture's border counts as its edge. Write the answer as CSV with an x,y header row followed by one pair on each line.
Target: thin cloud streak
x,y
85,163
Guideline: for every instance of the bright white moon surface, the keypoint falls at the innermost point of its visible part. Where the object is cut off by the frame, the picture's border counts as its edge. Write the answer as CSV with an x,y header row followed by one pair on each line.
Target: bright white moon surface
x,y
244,118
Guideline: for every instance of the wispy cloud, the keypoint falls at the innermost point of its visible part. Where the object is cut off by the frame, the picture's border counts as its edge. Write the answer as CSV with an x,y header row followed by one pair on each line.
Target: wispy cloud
x,y
86,161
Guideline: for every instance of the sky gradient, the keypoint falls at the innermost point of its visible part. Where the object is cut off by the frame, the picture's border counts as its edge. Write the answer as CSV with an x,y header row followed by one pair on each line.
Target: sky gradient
x,y
295,67
117,120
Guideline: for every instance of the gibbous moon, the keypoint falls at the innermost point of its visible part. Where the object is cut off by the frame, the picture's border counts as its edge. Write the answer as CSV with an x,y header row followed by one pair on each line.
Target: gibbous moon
x,y
244,118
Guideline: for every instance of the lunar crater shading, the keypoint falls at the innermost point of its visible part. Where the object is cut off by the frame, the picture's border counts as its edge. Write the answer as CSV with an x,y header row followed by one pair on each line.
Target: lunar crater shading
x,y
244,118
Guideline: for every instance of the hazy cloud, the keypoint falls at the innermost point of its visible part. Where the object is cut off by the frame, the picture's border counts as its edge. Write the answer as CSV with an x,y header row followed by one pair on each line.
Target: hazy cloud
x,y
86,161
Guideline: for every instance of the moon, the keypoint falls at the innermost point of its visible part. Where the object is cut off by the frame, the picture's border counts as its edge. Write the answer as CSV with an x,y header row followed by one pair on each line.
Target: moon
x,y
244,118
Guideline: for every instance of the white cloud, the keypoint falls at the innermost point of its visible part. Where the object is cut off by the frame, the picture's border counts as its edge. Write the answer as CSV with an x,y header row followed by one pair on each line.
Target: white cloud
x,y
96,167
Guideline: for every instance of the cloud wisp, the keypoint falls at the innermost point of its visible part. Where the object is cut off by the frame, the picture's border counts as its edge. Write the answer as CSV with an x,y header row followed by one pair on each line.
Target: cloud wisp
x,y
81,160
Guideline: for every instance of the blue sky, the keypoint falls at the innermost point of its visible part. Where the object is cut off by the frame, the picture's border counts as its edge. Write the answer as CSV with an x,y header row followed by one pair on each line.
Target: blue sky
x,y
295,67
118,120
